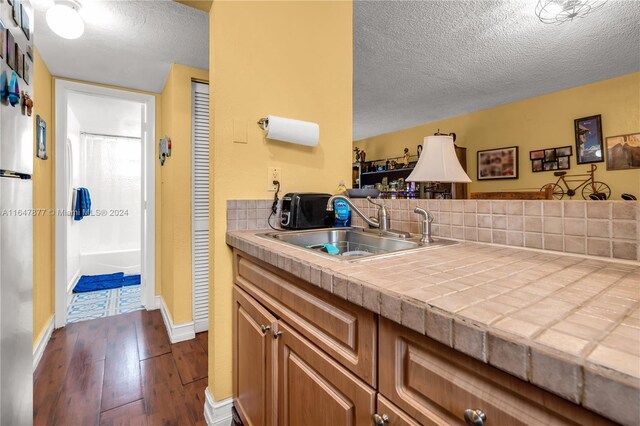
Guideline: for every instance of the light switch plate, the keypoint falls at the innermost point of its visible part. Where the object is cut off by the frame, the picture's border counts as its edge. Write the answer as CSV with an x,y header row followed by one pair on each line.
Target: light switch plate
x,y
240,131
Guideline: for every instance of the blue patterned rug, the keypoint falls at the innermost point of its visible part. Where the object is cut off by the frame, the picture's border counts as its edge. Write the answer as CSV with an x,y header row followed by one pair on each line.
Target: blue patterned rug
x,y
104,303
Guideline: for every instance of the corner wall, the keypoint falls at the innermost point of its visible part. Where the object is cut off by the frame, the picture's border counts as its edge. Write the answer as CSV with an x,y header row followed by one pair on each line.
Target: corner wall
x,y
175,183
533,124
292,59
43,198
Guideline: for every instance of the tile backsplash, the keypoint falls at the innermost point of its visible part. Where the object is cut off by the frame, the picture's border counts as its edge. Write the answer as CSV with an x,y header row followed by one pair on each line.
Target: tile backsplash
x,y
596,228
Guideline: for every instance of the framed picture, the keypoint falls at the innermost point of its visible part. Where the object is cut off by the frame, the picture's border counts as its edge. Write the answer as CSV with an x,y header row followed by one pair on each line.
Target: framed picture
x,y
41,138
19,69
565,151
30,51
536,155
11,50
24,22
15,11
536,165
589,140
3,40
551,165
563,163
623,152
550,154
27,69
499,163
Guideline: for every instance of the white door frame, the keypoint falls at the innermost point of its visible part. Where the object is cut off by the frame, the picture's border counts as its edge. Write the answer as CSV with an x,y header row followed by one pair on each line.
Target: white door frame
x,y
62,89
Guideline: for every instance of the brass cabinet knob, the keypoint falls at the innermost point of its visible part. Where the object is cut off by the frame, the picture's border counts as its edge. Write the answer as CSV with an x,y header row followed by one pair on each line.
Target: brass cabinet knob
x,y
380,420
264,328
276,334
475,417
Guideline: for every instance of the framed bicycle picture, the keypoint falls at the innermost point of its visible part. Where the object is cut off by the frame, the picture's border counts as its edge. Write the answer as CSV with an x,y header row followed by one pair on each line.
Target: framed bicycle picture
x,y
589,148
499,163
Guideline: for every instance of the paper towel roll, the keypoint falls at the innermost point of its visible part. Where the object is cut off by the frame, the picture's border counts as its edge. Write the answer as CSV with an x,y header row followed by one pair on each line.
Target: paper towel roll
x,y
292,131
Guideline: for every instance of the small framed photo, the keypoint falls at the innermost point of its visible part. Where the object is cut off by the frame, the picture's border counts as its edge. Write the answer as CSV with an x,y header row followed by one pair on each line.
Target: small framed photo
x,y
536,165
550,154
551,165
30,51
3,40
25,23
499,163
27,70
15,11
563,163
19,69
536,155
565,151
623,152
41,138
588,132
11,50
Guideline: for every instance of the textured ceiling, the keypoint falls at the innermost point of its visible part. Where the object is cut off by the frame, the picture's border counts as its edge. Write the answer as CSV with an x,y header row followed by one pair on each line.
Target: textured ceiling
x,y
130,44
104,115
416,62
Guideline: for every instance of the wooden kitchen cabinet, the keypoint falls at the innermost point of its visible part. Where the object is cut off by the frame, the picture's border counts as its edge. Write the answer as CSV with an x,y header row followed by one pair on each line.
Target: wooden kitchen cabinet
x,y
314,390
254,361
435,384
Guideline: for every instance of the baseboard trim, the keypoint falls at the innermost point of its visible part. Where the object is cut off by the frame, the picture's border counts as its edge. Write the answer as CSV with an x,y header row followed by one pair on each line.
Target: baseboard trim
x,y
217,413
71,284
177,332
201,325
156,304
38,351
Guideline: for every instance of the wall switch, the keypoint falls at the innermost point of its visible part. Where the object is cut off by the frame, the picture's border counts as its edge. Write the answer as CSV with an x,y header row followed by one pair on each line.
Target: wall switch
x,y
273,173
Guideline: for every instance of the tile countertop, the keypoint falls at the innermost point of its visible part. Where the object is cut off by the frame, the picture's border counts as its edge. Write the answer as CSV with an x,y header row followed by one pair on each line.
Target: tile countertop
x,y
565,323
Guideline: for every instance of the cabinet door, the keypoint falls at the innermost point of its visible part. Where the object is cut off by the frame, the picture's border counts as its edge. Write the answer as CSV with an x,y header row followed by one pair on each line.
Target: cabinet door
x,y
254,361
315,390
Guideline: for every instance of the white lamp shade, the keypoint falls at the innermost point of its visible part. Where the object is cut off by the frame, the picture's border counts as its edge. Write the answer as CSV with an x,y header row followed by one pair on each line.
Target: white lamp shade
x,y
438,162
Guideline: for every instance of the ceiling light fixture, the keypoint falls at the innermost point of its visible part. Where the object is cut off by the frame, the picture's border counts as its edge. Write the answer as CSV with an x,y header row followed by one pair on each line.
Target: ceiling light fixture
x,y
64,19
560,11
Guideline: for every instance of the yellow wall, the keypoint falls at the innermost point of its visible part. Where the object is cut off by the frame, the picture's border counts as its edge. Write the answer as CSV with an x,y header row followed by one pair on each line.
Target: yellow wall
x,y
292,59
175,252
532,124
203,5
43,184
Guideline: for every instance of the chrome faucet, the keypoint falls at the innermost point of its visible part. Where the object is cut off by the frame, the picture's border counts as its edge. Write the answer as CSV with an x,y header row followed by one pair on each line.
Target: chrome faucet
x,y
381,223
427,219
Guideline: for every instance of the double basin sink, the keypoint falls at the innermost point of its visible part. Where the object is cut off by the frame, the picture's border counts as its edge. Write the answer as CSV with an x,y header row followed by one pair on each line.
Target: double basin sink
x,y
350,243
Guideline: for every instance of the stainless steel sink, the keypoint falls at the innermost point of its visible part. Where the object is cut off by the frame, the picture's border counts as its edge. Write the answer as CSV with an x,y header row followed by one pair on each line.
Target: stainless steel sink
x,y
350,242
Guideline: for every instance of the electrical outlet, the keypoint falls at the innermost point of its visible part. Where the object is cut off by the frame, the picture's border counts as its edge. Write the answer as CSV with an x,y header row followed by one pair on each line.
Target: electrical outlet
x,y
273,173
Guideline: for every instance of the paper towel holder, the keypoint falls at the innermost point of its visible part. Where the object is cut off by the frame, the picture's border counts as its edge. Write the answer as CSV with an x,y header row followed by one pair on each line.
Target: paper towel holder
x,y
263,123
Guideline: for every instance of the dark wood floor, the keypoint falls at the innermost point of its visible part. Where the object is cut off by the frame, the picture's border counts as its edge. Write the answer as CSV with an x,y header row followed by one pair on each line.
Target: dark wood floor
x,y
120,370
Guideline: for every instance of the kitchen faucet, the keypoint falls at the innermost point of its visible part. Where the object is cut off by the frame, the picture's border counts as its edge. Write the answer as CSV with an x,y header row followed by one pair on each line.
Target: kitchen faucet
x,y
382,223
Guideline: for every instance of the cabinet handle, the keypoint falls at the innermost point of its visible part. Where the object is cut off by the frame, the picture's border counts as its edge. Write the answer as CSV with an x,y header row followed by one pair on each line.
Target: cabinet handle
x,y
380,420
276,334
264,328
475,417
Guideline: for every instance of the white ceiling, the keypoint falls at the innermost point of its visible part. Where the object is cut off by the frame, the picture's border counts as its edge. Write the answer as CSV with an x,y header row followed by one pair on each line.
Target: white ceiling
x,y
104,115
126,43
421,61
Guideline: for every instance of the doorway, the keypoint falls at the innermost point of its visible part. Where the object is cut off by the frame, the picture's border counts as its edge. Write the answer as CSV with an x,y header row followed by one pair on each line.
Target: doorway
x,y
104,153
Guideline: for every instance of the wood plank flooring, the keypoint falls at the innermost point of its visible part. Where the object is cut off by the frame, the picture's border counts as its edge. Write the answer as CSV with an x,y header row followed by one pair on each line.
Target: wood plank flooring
x,y
120,370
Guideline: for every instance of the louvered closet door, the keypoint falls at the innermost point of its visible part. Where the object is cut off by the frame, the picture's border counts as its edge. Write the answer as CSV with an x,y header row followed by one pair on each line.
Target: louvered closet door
x,y
200,195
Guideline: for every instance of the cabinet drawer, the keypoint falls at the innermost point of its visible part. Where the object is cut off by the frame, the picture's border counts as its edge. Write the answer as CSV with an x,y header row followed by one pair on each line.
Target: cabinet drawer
x,y
435,385
315,390
345,331
395,416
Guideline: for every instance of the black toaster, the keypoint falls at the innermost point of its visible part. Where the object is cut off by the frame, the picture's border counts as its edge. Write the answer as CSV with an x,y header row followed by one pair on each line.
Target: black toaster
x,y
305,210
